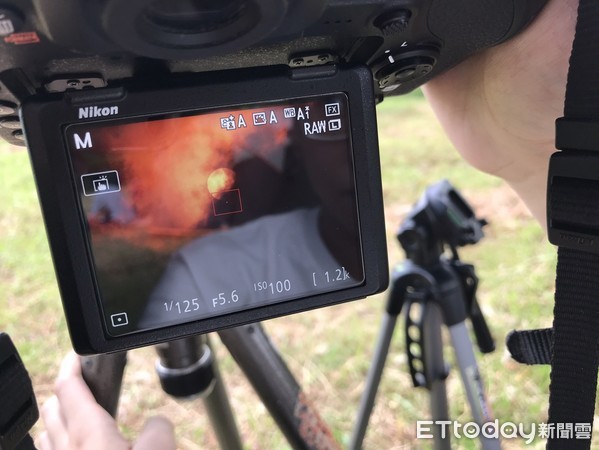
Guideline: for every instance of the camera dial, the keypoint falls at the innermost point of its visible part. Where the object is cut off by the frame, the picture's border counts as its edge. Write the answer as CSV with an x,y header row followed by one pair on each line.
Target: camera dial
x,y
399,68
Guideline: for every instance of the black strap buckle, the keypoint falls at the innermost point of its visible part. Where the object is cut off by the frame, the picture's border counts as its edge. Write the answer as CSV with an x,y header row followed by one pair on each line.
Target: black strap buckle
x,y
576,134
573,187
18,412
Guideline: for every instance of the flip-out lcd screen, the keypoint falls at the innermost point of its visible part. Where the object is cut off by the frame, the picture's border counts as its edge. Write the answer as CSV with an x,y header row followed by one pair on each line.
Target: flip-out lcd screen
x,y
204,213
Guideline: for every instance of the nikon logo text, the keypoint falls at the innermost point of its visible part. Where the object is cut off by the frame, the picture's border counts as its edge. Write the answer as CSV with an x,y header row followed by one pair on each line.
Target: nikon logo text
x,y
89,112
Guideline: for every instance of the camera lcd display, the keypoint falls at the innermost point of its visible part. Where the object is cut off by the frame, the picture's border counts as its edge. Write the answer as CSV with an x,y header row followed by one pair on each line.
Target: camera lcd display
x,y
204,213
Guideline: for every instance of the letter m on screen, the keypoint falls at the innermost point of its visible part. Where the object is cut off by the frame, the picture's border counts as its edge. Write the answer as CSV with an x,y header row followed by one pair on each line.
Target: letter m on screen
x,y
80,143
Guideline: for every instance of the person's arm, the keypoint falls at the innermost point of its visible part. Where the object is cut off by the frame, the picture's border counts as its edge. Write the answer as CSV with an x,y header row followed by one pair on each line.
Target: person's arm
x,y
499,107
74,420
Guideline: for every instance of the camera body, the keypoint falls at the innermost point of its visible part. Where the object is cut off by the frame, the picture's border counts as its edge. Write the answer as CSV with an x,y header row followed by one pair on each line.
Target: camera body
x,y
202,165
59,45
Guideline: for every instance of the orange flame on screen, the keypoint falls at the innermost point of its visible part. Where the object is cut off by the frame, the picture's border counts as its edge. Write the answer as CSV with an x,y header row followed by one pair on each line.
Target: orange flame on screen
x,y
222,179
172,167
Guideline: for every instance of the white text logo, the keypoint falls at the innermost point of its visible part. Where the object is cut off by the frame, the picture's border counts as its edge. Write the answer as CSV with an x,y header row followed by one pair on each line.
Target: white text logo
x,y
89,112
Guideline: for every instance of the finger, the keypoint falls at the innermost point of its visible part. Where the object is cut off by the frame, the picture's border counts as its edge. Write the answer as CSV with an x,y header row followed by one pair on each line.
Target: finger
x,y
157,433
56,436
70,377
85,420
71,390
42,442
70,366
82,416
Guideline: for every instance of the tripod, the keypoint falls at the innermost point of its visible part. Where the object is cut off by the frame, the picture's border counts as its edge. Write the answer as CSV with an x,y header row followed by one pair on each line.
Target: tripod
x,y
434,290
187,368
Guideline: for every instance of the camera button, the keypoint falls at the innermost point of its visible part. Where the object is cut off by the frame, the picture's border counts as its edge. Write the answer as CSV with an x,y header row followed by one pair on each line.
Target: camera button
x,y
7,108
18,134
10,21
12,123
393,22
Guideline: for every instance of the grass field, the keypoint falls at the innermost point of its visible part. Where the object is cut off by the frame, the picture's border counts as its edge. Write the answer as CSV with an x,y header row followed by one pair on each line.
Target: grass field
x,y
328,349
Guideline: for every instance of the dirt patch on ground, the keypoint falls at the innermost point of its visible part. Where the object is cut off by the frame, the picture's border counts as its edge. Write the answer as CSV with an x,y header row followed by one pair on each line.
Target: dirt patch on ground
x,y
501,204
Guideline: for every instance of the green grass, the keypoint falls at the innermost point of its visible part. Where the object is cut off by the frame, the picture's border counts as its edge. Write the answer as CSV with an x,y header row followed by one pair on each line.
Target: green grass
x,y
30,308
329,349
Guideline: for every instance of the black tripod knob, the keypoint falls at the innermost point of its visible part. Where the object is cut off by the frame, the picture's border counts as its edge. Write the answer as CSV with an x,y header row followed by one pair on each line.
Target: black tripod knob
x,y
185,367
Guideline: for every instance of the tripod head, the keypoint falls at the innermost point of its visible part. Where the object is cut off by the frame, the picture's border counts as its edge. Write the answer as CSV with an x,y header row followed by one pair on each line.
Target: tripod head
x,y
440,218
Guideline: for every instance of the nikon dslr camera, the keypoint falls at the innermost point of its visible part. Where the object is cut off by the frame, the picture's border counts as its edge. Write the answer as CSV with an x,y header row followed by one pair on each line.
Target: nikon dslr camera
x,y
203,164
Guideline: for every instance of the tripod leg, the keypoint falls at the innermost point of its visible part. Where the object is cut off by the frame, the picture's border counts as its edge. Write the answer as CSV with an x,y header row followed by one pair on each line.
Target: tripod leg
x,y
221,416
472,381
435,371
269,375
104,376
187,368
373,380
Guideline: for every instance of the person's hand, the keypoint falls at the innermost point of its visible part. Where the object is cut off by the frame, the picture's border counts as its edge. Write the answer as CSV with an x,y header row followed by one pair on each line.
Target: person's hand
x,y
499,107
74,420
